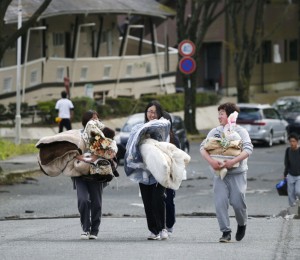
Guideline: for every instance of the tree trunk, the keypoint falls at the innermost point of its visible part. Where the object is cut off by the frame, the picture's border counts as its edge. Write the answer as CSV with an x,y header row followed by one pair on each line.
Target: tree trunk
x,y
194,26
190,103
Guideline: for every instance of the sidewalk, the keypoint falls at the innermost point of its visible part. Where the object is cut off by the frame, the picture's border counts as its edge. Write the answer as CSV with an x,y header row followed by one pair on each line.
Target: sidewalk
x,y
125,238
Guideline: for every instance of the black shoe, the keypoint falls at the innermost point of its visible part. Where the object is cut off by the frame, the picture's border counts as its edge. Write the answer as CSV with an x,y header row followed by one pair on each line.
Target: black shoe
x,y
240,233
226,237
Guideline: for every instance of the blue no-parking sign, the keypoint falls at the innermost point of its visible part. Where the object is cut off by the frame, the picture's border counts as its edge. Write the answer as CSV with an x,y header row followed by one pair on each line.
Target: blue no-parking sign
x,y
187,65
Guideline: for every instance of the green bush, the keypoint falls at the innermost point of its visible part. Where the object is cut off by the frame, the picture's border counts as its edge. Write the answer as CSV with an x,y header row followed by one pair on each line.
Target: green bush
x,y
122,106
47,111
173,102
81,105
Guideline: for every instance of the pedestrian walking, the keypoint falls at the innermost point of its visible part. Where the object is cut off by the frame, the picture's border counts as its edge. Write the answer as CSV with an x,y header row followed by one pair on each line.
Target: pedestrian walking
x,y
90,190
230,188
152,192
292,169
65,109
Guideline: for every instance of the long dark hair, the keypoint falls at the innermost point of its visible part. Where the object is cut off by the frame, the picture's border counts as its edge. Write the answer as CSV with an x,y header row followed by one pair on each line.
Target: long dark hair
x,y
167,116
159,110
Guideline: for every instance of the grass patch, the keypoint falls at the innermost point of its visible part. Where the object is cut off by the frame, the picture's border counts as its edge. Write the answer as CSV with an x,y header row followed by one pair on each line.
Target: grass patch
x,y
10,149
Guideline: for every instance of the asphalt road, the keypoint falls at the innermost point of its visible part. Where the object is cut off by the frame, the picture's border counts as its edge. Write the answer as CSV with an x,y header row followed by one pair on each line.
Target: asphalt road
x,y
39,219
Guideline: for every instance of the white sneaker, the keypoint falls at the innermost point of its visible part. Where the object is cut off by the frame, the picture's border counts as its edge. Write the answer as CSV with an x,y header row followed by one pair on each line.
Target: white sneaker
x,y
164,234
93,237
85,235
153,237
170,231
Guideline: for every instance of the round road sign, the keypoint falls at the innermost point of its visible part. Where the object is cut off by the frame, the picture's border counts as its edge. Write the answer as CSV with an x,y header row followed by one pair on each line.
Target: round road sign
x,y
186,48
187,65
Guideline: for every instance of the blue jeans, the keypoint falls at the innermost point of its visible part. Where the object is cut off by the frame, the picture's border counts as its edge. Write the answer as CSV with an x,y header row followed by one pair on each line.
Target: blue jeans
x,y
293,183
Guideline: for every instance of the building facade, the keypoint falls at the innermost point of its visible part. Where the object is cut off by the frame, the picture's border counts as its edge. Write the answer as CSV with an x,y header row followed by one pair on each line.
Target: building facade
x,y
278,65
78,47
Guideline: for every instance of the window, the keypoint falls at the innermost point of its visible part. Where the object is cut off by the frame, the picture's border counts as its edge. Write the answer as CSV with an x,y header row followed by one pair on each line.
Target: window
x,y
60,71
267,52
129,68
270,114
285,51
148,68
276,54
249,114
83,73
106,37
7,83
293,50
58,39
33,77
106,71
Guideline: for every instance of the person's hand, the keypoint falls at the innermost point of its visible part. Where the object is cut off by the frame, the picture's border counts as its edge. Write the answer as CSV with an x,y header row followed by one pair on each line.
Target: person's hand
x,y
228,164
216,165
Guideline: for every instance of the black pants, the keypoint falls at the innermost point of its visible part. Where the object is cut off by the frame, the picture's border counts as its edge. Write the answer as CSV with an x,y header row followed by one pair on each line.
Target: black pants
x,y
89,197
170,208
65,122
153,198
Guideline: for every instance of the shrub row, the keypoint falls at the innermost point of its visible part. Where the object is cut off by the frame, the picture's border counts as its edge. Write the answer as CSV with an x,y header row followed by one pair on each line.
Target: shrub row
x,y
118,107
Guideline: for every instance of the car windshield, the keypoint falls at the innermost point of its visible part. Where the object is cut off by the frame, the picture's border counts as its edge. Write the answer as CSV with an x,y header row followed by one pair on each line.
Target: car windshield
x,y
132,121
286,103
294,109
249,114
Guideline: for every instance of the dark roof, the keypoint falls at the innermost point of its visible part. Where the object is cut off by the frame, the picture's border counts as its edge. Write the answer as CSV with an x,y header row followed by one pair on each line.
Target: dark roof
x,y
61,7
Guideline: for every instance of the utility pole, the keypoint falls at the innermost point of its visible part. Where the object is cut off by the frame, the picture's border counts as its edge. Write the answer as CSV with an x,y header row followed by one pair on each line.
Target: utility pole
x,y
18,80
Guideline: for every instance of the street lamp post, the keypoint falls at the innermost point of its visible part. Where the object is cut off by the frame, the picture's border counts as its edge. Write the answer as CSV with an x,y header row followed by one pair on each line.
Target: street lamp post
x,y
76,50
18,79
26,57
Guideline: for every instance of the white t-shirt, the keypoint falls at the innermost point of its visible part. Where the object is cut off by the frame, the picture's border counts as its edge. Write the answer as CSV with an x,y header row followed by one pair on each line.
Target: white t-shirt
x,y
63,106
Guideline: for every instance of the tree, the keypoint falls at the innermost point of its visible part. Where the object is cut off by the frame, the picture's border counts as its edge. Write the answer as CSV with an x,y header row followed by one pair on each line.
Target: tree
x,y
9,37
194,27
246,18
247,21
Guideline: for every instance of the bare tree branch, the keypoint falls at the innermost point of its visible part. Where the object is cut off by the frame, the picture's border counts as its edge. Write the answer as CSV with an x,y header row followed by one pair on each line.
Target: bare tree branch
x,y
6,41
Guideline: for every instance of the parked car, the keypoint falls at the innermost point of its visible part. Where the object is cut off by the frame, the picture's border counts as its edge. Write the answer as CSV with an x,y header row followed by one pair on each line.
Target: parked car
x,y
285,103
124,132
263,122
292,116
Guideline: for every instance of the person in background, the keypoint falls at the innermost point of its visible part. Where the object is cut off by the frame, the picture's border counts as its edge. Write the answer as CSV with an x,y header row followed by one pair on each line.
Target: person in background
x,y
170,193
292,169
65,109
232,189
